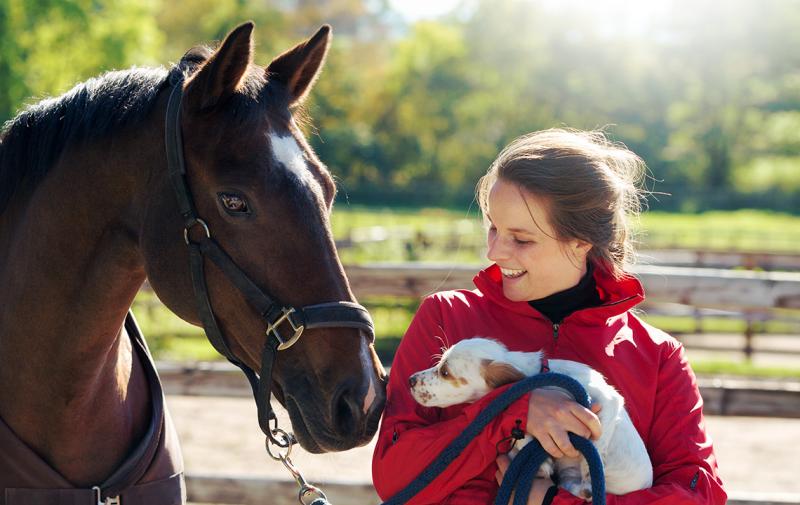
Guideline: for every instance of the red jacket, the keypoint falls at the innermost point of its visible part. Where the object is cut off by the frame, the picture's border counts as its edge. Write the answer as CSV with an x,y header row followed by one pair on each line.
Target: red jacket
x,y
644,364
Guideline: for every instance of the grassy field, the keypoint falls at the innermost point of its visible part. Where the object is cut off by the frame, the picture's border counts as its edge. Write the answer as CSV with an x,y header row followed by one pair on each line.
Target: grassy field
x,y
396,235
457,236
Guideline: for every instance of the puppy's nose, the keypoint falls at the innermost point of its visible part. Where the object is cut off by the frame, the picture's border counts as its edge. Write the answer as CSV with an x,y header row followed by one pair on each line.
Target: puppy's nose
x,y
412,381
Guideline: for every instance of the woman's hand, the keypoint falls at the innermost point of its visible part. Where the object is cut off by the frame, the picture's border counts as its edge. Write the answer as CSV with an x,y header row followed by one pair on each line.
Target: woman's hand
x,y
538,490
553,413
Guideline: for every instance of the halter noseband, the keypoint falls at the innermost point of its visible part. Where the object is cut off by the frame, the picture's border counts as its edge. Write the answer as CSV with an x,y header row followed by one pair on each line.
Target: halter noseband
x,y
276,315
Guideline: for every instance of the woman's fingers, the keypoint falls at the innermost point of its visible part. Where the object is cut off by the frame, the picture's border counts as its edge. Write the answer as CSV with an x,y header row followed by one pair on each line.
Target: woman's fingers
x,y
563,442
551,415
588,419
502,465
551,445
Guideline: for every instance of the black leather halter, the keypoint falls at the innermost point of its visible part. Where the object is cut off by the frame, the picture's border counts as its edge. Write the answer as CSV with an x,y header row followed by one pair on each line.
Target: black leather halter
x,y
276,315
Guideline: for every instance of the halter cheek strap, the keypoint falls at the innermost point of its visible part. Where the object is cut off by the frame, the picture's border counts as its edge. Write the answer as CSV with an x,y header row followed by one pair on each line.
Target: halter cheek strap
x,y
285,324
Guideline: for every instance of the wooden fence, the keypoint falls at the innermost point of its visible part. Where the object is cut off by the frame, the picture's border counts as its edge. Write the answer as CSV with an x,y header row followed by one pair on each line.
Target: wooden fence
x,y
735,290
754,297
701,287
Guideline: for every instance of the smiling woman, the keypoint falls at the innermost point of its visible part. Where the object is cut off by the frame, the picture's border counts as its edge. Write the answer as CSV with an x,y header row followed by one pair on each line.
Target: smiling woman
x,y
557,204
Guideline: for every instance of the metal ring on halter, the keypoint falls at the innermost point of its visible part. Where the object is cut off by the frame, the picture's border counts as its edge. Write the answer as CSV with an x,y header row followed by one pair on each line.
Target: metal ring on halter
x,y
279,434
313,491
196,221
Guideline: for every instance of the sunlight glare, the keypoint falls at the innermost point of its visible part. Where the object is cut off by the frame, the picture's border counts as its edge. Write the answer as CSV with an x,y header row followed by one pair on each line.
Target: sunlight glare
x,y
413,10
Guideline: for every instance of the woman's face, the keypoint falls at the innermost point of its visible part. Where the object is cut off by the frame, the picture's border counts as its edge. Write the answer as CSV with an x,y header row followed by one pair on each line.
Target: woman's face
x,y
522,243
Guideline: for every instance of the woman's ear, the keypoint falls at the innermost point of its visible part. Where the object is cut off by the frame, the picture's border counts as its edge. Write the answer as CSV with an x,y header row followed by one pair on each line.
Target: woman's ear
x,y
582,246
579,250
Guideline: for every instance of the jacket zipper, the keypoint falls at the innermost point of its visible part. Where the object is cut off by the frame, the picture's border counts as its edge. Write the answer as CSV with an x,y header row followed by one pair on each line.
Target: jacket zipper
x,y
556,327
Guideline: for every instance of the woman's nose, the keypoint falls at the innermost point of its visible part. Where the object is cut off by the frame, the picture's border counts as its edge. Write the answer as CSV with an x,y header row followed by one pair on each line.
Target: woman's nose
x,y
496,251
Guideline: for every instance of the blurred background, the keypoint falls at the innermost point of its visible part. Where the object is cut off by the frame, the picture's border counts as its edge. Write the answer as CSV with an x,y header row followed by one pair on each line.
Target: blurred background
x,y
418,97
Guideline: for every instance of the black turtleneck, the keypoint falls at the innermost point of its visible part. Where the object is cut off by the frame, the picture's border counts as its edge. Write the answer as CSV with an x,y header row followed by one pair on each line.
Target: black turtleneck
x,y
581,296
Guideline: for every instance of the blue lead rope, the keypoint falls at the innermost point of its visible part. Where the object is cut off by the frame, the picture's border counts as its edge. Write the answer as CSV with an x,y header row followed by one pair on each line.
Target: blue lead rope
x,y
522,471
523,468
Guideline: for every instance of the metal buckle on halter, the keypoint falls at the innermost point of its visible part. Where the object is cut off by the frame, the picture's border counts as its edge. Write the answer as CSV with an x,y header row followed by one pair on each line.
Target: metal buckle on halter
x,y
108,501
286,313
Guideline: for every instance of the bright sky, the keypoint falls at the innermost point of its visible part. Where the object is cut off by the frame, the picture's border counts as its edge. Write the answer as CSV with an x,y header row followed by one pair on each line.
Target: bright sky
x,y
618,15
413,10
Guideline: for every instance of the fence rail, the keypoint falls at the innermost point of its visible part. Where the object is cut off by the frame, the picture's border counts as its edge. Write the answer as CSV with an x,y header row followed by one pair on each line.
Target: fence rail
x,y
751,296
710,258
734,290
701,287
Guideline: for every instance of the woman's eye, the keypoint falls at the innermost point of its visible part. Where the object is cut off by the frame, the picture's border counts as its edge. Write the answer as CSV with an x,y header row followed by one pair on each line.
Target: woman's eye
x,y
234,203
522,242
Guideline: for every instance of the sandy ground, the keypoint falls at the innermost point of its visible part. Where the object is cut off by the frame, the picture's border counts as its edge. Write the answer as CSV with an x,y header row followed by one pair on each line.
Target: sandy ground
x,y
220,436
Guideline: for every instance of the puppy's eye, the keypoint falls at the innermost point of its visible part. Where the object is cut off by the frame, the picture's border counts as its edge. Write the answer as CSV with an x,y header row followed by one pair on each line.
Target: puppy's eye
x,y
234,203
444,372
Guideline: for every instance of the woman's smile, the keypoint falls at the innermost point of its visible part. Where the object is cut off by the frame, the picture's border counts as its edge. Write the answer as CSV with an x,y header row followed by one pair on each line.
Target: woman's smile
x,y
512,274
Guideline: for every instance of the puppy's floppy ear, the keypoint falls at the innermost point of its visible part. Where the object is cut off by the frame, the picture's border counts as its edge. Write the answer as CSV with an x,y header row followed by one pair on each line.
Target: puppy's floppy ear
x,y
498,373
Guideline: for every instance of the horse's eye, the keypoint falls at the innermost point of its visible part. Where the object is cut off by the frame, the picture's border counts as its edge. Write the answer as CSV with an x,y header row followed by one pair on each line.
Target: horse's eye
x,y
233,203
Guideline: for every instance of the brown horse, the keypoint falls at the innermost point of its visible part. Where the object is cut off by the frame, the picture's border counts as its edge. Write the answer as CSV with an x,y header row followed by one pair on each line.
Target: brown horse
x,y
88,211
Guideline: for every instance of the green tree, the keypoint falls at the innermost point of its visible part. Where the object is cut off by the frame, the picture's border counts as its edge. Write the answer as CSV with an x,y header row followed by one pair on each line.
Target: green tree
x,y
48,45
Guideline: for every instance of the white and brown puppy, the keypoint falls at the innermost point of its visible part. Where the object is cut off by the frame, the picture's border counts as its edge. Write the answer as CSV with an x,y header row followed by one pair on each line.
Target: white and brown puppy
x,y
473,367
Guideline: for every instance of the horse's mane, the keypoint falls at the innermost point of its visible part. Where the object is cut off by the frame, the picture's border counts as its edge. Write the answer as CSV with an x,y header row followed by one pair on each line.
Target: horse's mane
x,y
33,141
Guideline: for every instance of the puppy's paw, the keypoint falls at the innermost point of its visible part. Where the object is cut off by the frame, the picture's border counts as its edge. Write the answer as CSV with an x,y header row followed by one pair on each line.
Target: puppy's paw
x,y
585,491
579,489
547,469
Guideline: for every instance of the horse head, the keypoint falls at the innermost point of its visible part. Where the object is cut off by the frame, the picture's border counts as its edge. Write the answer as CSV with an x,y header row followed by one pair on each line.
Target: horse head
x,y
266,199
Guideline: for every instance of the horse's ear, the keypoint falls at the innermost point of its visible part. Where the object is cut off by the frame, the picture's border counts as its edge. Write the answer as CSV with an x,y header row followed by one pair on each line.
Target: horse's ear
x,y
219,77
298,68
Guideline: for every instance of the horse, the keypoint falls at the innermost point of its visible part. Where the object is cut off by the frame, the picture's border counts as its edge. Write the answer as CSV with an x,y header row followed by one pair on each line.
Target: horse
x,y
88,212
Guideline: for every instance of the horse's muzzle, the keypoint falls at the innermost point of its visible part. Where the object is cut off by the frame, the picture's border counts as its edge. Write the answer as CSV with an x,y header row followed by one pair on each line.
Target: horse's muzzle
x,y
354,411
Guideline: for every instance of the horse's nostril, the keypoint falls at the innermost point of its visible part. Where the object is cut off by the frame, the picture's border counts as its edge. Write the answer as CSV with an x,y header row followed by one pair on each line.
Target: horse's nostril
x,y
346,412
412,381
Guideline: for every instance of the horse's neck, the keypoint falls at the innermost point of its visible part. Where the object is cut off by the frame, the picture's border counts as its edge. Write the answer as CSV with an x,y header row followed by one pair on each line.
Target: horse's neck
x,y
70,273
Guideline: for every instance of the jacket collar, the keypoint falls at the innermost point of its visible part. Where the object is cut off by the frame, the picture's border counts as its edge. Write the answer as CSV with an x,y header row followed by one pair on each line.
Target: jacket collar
x,y
618,295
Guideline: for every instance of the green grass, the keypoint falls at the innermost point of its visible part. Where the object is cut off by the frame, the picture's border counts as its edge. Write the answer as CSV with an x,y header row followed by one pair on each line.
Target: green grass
x,y
446,235
743,230
743,369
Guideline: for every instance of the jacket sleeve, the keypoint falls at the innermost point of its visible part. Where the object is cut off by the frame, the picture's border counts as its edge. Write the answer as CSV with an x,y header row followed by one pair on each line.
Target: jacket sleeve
x,y
684,466
411,436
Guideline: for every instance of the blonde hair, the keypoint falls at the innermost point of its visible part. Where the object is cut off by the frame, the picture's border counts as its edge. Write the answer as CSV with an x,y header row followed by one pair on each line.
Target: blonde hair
x,y
591,186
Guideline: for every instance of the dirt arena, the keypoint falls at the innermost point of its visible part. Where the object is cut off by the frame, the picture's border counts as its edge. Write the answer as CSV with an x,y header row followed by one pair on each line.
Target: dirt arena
x,y
220,436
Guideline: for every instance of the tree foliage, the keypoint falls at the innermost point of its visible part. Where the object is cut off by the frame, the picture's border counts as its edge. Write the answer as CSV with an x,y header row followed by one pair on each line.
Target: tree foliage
x,y
48,45
707,92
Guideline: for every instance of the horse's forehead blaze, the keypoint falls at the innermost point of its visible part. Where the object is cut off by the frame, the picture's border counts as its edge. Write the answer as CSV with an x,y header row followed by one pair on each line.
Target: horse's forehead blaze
x,y
287,152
